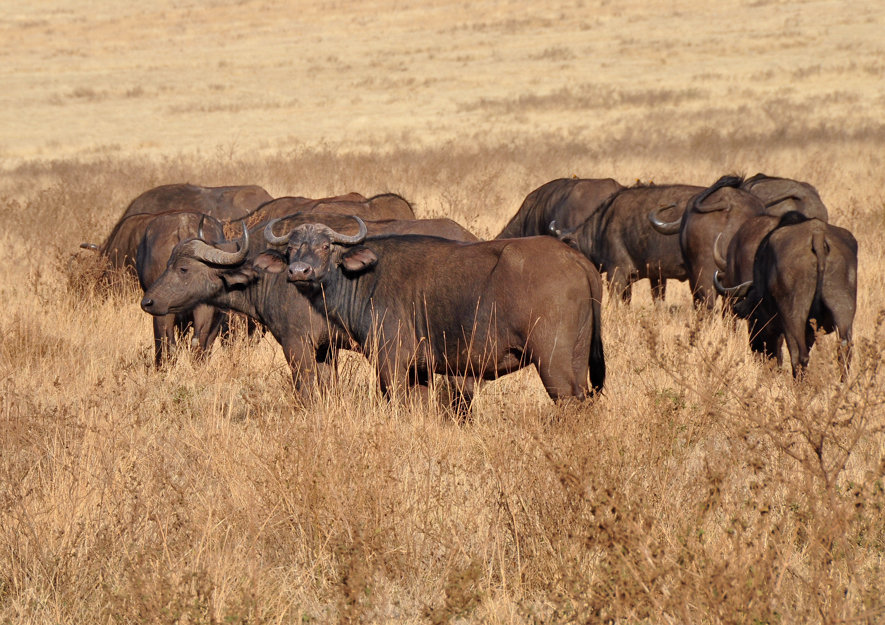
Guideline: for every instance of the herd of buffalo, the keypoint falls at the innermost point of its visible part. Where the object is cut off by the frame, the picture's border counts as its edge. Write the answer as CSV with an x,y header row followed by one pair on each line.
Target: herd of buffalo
x,y
425,296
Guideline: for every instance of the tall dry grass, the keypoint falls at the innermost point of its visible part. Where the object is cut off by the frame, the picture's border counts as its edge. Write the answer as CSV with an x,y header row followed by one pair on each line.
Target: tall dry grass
x,y
705,486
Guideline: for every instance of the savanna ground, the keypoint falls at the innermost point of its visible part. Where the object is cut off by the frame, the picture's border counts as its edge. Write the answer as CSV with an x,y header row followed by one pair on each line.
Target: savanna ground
x,y
705,486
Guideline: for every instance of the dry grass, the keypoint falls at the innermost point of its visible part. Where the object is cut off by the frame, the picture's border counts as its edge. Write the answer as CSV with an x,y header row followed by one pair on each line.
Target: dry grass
x,y
705,486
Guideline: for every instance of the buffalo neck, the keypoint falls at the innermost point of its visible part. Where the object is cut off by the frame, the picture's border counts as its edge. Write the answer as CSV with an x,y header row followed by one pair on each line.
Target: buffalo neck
x,y
347,301
254,299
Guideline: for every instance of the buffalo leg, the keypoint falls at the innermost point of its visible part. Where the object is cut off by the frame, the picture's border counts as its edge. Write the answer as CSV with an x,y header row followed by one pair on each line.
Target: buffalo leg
x,y
460,390
765,339
558,375
702,291
843,331
619,285
704,295
658,288
794,308
842,313
164,337
308,375
207,325
796,337
798,352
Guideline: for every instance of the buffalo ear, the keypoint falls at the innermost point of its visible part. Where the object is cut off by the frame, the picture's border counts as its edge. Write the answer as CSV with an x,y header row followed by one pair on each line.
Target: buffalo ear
x,y
270,261
358,258
243,275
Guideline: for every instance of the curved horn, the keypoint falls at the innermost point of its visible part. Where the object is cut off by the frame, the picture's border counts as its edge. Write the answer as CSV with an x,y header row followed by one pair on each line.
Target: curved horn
x,y
786,198
337,237
721,262
89,246
210,254
200,234
664,227
273,239
740,290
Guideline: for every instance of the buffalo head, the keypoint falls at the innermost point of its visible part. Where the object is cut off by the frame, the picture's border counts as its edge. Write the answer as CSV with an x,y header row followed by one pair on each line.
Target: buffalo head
x,y
314,250
195,272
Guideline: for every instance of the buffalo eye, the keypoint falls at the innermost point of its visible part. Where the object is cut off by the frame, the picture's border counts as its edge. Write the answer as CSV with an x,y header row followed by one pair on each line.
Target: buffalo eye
x,y
325,246
182,269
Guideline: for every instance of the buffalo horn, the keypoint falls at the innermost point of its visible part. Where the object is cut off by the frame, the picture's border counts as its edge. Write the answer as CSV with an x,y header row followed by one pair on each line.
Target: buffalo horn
x,y
786,198
565,236
731,291
664,227
337,237
211,254
271,238
717,254
89,246
200,234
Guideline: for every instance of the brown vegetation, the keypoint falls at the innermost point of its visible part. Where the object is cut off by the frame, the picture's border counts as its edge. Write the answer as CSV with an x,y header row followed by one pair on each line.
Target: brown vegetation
x,y
704,486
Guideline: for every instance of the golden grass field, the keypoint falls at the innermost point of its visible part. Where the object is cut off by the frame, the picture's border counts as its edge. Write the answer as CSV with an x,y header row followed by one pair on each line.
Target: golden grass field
x,y
705,486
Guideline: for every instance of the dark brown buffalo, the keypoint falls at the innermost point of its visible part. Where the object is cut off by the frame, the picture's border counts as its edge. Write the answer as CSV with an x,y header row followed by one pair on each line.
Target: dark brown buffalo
x,y
418,305
218,275
804,269
620,241
782,195
223,203
384,206
718,210
735,262
567,201
160,237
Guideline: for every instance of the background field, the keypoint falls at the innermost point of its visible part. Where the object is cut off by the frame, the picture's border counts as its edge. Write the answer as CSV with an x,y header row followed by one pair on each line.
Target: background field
x,y
704,487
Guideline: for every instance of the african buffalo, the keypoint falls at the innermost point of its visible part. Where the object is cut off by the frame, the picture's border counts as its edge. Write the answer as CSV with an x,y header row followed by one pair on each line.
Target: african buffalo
x,y
782,195
720,209
803,269
384,206
418,305
219,275
567,201
223,203
621,242
160,237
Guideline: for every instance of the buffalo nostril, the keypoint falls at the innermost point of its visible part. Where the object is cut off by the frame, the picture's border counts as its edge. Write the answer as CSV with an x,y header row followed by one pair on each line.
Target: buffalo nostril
x,y
147,303
300,271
